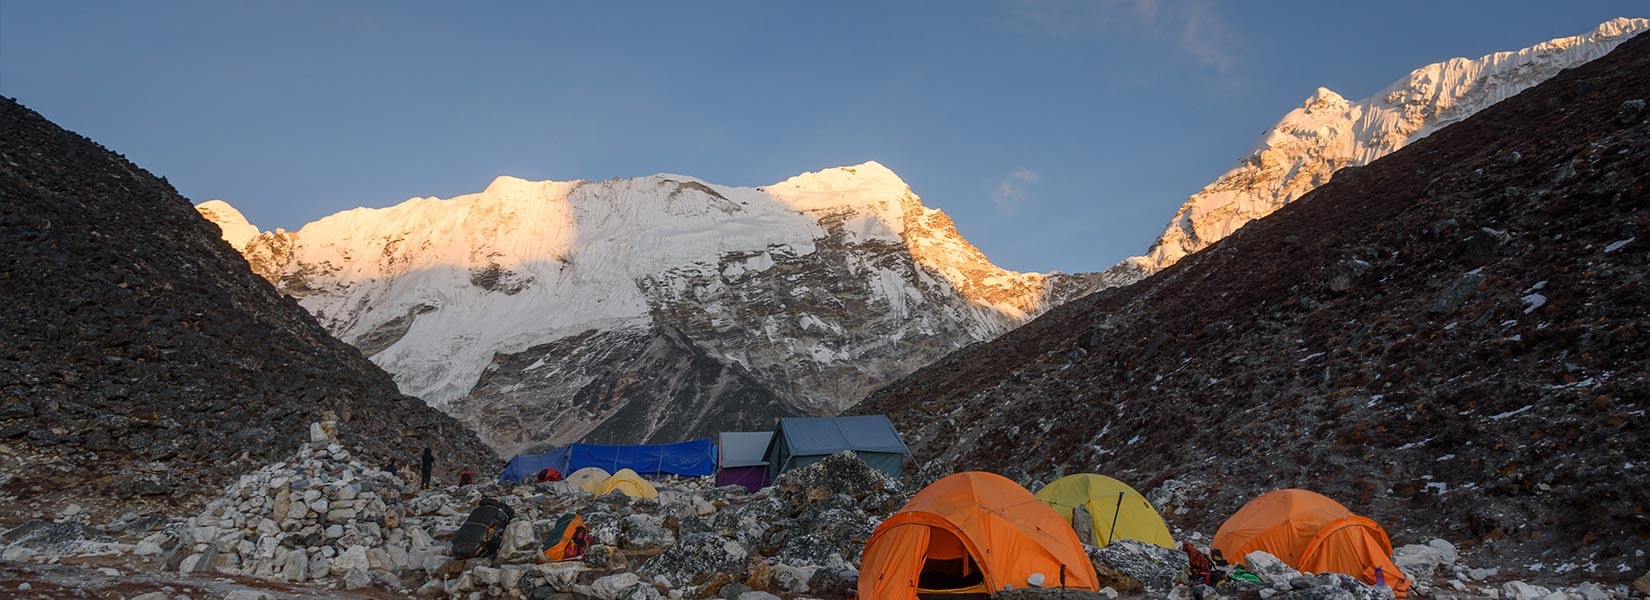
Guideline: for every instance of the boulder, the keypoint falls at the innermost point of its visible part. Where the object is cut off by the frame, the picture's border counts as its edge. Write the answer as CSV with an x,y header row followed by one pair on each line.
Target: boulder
x,y
606,558
810,550
612,586
559,577
319,566
520,543
1483,574
355,558
1484,245
147,548
834,583
1270,568
839,523
1134,566
1171,496
511,576
644,532
641,592
1421,562
696,556
23,554
357,579
840,473
1518,590
1592,591
791,578
730,591
1460,292
295,566
1331,586
202,563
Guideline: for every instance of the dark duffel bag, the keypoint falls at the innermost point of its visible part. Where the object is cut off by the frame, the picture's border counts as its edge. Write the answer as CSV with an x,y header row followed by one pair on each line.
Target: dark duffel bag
x,y
483,531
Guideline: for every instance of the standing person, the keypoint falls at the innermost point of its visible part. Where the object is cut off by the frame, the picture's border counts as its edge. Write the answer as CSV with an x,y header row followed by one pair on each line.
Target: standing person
x,y
424,467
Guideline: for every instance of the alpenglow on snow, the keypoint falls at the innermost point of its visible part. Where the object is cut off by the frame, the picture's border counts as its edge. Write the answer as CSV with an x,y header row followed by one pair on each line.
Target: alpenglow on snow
x,y
648,309
1328,132
655,308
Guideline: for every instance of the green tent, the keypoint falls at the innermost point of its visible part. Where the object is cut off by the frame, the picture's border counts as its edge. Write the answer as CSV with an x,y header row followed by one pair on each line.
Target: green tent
x,y
802,441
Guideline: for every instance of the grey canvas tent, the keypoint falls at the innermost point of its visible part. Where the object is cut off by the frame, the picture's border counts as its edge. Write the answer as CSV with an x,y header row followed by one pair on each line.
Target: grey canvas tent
x,y
739,459
802,441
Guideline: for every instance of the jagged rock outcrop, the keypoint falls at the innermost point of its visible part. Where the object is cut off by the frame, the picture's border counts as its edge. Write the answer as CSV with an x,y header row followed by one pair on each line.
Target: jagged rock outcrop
x,y
1311,349
653,308
139,358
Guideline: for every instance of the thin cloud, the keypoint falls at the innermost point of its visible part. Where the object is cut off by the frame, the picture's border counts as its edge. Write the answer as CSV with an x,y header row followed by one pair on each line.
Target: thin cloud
x,y
1195,28
1010,193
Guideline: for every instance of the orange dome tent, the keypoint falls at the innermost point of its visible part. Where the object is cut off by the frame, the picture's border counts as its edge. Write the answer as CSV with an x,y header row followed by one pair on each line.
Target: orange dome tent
x,y
972,533
1312,533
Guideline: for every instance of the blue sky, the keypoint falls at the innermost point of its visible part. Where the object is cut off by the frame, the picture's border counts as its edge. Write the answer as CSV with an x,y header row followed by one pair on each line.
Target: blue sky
x,y
1060,135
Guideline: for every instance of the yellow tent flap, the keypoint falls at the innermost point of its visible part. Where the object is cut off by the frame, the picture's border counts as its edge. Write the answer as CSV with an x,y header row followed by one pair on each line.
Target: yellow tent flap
x,y
589,479
1105,499
628,483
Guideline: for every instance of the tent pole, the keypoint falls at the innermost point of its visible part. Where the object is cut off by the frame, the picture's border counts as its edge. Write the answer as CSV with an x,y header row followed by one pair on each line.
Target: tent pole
x,y
1114,514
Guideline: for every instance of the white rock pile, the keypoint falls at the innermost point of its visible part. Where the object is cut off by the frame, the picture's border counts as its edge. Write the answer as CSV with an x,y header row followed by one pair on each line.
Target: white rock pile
x,y
326,518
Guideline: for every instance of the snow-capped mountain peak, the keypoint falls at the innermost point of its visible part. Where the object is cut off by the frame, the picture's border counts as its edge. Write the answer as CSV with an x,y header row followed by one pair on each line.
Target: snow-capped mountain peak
x,y
799,297
236,230
1328,132
833,187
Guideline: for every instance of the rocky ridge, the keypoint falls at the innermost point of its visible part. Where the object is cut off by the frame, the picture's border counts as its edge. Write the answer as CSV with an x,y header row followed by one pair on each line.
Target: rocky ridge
x,y
1449,340
141,362
1328,133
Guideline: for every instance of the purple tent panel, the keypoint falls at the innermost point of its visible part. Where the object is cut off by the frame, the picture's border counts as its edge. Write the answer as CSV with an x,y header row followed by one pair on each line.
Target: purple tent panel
x,y
740,459
751,478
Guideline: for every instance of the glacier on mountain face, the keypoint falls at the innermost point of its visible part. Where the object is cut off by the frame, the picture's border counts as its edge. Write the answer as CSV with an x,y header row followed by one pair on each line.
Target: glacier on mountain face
x,y
652,307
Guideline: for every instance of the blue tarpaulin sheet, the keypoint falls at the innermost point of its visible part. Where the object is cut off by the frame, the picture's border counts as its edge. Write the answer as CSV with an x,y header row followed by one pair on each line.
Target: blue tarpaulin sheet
x,y
524,466
694,458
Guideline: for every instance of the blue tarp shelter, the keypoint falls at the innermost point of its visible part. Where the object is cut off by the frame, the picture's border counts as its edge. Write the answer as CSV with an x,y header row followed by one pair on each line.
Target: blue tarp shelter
x,y
525,466
694,458
802,441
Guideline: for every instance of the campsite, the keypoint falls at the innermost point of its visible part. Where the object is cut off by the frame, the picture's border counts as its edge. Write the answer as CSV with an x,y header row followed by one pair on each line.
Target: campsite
x,y
490,340
688,520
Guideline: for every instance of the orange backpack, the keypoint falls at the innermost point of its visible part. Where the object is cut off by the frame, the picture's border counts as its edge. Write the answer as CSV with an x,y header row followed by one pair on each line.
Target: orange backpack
x,y
567,540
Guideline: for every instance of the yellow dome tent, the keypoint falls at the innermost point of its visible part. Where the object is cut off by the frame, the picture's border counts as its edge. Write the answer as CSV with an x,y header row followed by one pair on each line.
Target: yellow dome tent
x,y
589,479
1097,503
630,484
